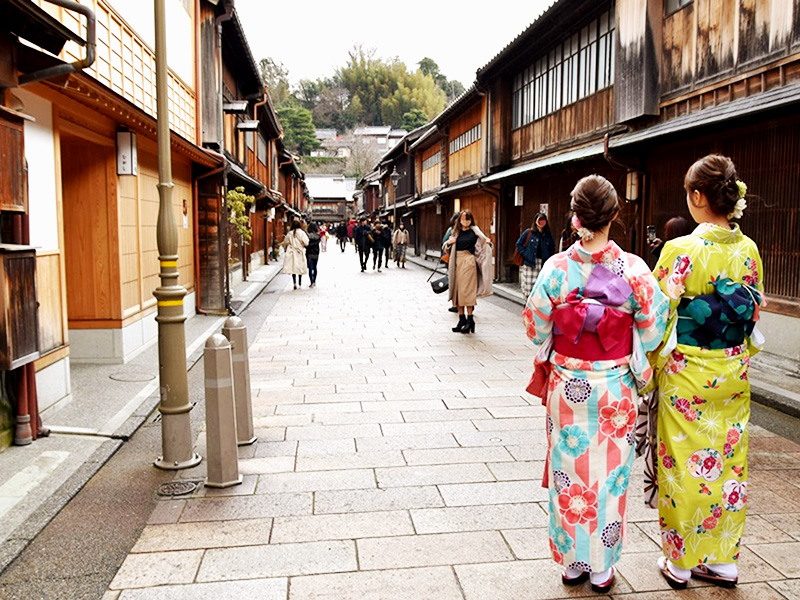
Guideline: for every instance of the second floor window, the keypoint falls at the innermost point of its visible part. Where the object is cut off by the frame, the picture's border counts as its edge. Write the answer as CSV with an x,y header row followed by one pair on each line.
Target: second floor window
x,y
432,161
579,67
470,136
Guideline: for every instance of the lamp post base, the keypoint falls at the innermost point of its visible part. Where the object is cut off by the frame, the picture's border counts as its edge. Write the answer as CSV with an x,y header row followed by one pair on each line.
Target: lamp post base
x,y
175,465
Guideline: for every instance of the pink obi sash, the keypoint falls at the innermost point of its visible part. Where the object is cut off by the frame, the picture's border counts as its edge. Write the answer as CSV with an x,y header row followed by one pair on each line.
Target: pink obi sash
x,y
587,327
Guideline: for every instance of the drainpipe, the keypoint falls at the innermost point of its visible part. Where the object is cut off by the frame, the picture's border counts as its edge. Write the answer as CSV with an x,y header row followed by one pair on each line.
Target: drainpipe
x,y
91,36
221,169
225,16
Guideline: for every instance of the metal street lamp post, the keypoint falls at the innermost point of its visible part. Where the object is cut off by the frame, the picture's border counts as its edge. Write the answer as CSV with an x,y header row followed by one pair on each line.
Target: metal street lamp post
x,y
176,430
395,177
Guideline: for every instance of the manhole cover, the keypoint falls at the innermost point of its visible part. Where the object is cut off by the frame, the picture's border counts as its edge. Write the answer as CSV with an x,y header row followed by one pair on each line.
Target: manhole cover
x,y
132,377
177,488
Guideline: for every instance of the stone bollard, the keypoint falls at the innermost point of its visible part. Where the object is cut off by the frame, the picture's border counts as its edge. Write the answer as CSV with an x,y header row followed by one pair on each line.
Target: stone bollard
x,y
236,332
223,454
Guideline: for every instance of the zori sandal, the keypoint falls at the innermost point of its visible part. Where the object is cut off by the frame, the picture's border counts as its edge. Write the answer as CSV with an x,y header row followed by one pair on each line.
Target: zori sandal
x,y
707,574
574,580
676,583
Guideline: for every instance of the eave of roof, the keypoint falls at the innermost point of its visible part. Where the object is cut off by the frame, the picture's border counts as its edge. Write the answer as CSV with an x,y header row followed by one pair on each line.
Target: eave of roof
x,y
32,23
234,37
550,27
742,107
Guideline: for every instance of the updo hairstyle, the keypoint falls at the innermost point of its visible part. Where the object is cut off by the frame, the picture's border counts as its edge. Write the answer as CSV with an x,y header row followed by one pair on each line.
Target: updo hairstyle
x,y
595,202
715,177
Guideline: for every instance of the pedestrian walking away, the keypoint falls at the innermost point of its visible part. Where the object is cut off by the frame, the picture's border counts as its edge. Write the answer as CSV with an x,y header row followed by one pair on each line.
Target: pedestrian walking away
x,y
312,253
714,281
360,237
341,235
386,243
400,240
535,245
294,259
323,238
469,271
375,240
592,314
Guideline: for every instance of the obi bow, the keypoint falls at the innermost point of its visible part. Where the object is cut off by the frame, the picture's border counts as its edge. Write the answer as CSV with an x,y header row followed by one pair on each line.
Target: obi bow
x,y
593,310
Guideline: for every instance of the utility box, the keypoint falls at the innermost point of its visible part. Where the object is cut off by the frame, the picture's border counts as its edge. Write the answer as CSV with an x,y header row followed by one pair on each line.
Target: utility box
x,y
19,314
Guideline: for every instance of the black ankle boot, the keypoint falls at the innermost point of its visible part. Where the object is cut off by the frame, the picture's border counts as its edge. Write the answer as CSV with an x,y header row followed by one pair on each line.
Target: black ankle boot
x,y
470,326
462,323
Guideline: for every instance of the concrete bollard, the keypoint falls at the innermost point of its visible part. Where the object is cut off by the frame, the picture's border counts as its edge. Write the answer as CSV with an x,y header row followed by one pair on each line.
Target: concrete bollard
x,y
223,454
236,333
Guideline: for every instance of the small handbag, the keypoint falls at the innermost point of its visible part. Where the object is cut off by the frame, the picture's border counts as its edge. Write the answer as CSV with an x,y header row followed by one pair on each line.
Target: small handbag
x,y
441,283
518,259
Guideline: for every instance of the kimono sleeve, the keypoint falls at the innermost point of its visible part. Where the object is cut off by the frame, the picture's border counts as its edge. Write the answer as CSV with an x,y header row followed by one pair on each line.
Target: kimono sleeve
x,y
650,305
538,312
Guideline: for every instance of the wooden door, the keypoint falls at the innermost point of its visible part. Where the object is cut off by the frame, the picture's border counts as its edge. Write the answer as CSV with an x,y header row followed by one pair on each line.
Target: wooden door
x,y
91,245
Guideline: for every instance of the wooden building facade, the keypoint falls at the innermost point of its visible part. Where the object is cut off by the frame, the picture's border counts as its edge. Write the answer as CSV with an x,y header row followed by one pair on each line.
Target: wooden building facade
x,y
634,90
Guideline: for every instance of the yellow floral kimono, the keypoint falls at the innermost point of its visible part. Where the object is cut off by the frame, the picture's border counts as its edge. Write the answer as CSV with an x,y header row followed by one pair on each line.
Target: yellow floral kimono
x,y
714,281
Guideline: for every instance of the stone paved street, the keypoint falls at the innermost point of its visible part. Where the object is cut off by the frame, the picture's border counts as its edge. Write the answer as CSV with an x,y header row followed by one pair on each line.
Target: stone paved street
x,y
396,459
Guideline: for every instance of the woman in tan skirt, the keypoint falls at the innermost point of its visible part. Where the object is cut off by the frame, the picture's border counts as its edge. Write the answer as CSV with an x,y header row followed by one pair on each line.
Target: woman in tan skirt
x,y
469,269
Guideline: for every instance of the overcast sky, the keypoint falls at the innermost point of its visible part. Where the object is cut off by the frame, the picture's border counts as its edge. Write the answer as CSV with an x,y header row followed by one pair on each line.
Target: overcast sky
x,y
312,38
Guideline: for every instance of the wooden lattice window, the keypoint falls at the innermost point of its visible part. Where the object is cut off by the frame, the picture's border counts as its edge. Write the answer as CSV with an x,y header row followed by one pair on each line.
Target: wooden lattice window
x,y
12,166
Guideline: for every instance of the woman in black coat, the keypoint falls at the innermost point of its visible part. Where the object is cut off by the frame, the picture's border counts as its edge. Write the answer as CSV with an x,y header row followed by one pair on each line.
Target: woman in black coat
x,y
536,245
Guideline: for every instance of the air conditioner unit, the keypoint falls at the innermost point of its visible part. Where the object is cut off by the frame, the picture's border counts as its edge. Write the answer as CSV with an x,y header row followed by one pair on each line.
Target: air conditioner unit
x,y
519,193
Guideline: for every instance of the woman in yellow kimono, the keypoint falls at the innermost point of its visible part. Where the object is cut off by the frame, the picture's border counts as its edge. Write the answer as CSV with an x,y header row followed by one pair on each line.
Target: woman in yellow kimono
x,y
714,280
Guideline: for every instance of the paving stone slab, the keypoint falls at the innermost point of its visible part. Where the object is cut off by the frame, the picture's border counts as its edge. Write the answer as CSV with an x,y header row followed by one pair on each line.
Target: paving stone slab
x,y
534,424
532,470
456,403
479,518
254,589
157,568
405,405
456,455
311,481
376,500
277,560
782,556
266,464
528,579
355,418
501,492
332,432
432,550
413,416
284,448
501,438
422,428
432,475
528,544
316,409
341,526
325,447
359,460
166,511
406,442
246,507
206,534
435,583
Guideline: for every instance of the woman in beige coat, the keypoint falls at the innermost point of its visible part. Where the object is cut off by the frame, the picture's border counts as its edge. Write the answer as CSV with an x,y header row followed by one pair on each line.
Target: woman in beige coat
x,y
469,270
400,244
294,261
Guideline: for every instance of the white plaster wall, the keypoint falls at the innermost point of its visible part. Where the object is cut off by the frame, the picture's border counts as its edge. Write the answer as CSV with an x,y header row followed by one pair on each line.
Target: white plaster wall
x,y
41,157
140,15
53,383
118,346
